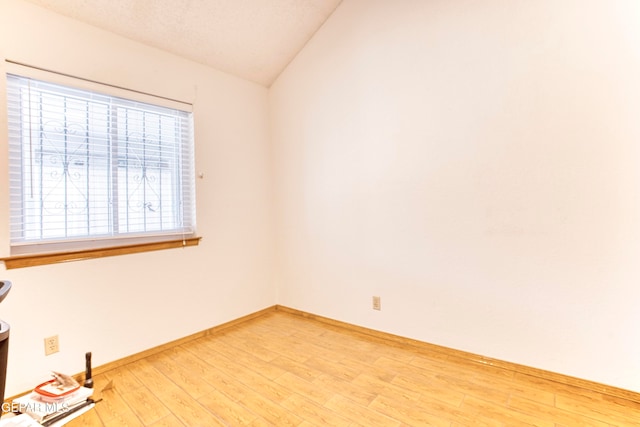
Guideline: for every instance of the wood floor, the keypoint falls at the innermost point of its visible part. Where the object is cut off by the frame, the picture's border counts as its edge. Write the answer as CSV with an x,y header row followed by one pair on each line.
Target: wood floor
x,y
285,370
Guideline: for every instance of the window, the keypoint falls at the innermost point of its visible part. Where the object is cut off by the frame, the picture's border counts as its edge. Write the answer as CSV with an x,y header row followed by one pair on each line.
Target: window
x,y
89,170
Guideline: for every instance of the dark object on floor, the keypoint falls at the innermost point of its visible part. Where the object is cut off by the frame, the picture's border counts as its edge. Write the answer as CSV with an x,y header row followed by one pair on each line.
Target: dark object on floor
x,y
5,287
88,380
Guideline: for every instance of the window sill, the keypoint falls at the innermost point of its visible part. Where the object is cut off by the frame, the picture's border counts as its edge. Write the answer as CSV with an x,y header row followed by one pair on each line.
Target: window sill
x,y
58,257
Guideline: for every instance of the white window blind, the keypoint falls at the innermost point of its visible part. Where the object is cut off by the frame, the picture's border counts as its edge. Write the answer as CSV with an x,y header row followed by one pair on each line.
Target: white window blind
x,y
89,170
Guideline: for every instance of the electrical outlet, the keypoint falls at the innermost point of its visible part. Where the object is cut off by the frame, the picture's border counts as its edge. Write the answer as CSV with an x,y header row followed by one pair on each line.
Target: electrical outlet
x,y
376,303
51,345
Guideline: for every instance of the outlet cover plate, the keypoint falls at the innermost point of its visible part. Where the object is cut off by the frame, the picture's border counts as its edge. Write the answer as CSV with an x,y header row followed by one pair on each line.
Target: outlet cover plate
x,y
51,345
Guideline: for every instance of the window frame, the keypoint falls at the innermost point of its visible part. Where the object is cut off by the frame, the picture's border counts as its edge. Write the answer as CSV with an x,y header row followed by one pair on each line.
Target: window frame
x,y
40,253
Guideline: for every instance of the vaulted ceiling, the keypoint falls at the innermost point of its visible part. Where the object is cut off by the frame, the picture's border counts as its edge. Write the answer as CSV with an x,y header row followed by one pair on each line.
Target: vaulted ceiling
x,y
252,39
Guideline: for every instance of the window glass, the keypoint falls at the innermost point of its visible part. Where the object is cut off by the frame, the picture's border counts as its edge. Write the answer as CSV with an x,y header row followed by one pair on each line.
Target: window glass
x,y
88,167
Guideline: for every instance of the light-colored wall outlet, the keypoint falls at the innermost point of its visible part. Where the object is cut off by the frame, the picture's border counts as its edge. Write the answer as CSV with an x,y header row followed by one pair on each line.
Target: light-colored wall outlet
x,y
51,345
376,303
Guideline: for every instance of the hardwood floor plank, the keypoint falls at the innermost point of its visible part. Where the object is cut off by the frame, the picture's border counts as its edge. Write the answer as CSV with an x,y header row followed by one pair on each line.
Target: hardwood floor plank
x,y
125,419
429,387
502,413
112,406
226,384
407,413
88,419
123,377
484,389
229,411
332,368
259,384
202,349
359,414
361,396
187,380
481,421
370,368
551,413
145,405
384,388
168,421
295,384
269,411
597,409
149,376
314,413
302,370
245,343
188,410
249,361
446,412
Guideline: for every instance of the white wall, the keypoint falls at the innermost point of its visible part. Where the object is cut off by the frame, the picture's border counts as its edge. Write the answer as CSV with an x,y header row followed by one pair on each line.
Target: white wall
x,y
476,165
118,306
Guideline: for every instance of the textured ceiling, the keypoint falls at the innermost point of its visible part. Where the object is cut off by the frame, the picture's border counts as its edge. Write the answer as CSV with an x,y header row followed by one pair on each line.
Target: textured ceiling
x,y
252,39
